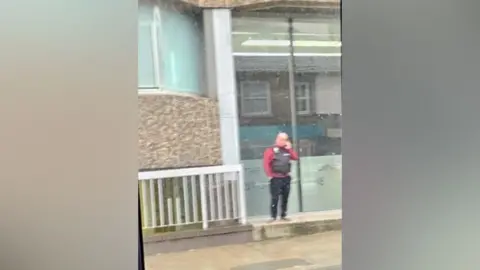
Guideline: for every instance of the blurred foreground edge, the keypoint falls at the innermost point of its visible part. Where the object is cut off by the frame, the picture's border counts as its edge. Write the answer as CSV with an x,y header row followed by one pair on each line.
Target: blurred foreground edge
x,y
141,258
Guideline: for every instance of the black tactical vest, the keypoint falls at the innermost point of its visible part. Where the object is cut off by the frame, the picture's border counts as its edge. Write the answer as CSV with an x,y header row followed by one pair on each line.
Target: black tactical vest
x,y
281,160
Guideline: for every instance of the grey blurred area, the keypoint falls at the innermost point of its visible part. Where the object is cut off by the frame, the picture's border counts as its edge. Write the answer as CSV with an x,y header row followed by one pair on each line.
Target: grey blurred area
x,y
411,136
68,104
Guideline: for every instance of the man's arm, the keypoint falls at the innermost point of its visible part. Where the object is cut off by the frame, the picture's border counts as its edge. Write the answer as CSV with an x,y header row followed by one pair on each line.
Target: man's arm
x,y
293,154
267,159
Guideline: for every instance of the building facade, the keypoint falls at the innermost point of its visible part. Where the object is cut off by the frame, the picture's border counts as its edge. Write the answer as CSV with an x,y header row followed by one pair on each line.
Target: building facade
x,y
218,80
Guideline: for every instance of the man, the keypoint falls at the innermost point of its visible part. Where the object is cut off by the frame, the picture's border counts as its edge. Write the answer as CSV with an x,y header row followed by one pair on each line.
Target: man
x,y
276,163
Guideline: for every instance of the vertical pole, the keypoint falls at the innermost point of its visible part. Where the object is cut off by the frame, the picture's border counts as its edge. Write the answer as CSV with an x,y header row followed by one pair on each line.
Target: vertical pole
x,y
242,196
203,199
293,112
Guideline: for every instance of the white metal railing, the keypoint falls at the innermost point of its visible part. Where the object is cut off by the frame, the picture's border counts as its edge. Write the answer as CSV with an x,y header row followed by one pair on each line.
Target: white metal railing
x,y
187,196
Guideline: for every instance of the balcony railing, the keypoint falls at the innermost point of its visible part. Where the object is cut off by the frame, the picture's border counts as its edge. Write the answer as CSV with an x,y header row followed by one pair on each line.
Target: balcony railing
x,y
204,195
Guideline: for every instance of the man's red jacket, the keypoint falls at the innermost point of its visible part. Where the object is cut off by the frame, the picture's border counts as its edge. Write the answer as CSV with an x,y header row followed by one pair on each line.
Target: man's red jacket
x,y
268,156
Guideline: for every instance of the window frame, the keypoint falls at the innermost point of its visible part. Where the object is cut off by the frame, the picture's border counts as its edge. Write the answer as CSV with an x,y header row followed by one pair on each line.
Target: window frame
x,y
267,89
307,98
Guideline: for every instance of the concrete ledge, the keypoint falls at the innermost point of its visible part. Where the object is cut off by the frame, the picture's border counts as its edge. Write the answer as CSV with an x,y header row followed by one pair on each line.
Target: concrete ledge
x,y
187,240
301,224
258,230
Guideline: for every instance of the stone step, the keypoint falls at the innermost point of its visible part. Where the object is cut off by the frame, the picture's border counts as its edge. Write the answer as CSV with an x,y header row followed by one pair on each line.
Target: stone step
x,y
301,224
258,230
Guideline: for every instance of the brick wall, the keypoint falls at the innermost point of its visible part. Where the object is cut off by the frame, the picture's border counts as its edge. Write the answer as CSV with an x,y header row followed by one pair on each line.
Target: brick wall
x,y
178,131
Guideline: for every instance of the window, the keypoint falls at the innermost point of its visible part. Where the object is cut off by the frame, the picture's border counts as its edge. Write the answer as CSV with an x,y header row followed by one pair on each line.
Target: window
x,y
169,48
255,98
302,93
148,56
147,69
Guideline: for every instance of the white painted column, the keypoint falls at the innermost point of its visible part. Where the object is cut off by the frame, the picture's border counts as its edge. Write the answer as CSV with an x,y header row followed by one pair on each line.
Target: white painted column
x,y
221,78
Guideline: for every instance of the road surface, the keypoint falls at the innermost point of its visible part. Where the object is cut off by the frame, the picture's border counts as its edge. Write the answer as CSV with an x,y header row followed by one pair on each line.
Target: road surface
x,y
312,252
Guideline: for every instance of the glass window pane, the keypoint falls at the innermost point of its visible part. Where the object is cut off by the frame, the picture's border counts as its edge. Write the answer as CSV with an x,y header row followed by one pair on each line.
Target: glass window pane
x,y
300,90
261,51
145,11
146,73
302,105
260,105
321,159
317,38
260,48
259,35
255,106
254,89
181,48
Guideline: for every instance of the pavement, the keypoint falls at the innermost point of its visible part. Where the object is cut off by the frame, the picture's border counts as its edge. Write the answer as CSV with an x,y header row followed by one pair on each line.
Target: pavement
x,y
313,252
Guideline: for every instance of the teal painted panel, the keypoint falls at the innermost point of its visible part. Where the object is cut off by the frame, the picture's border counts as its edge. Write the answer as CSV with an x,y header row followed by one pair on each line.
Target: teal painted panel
x,y
268,133
259,133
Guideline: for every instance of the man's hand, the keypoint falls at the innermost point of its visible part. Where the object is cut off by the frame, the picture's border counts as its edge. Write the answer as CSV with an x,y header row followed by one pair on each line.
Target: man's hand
x,y
288,145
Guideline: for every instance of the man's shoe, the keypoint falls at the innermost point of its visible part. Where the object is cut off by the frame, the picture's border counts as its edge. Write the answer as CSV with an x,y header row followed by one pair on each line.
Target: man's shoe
x,y
285,219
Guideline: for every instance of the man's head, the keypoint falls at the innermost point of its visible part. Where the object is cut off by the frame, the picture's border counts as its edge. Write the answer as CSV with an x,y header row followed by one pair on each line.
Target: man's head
x,y
282,139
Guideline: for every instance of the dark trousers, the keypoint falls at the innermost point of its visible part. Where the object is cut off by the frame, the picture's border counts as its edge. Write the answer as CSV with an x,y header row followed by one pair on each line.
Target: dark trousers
x,y
279,187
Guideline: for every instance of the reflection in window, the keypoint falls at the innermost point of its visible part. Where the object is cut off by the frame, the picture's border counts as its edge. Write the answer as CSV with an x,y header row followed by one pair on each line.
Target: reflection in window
x,y
255,98
302,94
263,62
